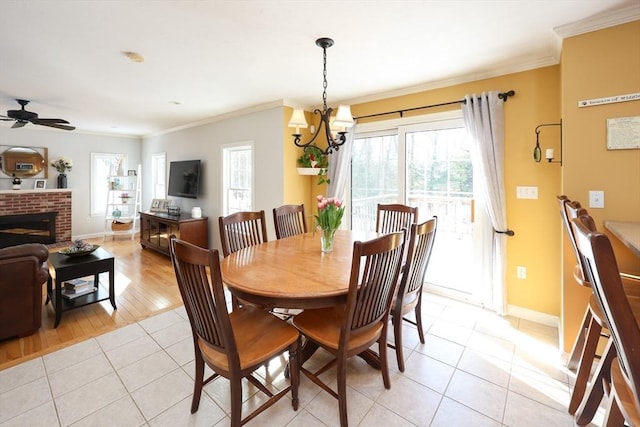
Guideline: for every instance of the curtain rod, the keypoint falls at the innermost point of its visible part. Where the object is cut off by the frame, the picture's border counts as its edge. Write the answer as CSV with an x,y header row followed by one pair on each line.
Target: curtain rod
x,y
502,95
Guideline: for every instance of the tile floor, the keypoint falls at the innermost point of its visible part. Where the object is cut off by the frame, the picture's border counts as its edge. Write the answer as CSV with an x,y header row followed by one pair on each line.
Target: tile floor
x,y
476,369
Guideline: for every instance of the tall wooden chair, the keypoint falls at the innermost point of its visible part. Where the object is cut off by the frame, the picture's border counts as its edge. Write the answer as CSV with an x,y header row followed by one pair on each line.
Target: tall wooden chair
x,y
409,295
240,230
351,329
583,353
232,345
289,220
622,313
395,217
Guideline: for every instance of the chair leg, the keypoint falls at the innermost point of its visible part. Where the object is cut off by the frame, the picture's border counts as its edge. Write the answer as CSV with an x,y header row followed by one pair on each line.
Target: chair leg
x,y
384,363
198,382
578,345
593,395
342,391
236,402
397,337
613,416
586,363
418,314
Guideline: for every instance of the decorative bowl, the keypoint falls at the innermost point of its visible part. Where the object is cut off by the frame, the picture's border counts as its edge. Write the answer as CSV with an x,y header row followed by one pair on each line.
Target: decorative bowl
x,y
75,252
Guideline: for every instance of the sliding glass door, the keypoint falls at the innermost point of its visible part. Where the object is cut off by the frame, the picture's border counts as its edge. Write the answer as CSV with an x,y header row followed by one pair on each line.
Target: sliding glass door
x,y
427,165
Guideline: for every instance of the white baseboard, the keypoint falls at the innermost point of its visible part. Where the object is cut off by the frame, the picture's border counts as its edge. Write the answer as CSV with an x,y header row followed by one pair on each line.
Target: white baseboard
x,y
533,316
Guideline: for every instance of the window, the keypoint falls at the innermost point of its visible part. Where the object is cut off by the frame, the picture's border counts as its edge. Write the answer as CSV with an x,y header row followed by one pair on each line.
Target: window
x,y
237,178
103,165
159,175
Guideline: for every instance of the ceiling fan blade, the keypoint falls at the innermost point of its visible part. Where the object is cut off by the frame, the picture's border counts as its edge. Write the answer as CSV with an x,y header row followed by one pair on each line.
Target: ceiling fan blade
x,y
7,119
56,125
18,124
48,121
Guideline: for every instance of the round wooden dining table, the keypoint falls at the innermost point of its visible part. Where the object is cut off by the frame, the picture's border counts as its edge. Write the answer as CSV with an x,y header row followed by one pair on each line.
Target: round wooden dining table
x,y
293,272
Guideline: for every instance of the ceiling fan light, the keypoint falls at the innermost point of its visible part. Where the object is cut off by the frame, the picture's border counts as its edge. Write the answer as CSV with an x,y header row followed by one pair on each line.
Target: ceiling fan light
x,y
343,117
298,120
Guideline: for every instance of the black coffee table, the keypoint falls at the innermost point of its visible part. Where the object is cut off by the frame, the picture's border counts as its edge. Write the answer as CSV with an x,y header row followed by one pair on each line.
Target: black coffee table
x,y
66,268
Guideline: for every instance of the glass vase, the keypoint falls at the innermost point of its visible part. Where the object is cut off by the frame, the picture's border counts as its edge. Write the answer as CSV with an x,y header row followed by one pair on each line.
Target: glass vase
x,y
326,239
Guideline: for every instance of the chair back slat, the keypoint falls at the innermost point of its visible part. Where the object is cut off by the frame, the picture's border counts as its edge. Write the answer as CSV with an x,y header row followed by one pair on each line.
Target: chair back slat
x,y
200,283
602,271
371,287
395,217
289,220
421,239
241,230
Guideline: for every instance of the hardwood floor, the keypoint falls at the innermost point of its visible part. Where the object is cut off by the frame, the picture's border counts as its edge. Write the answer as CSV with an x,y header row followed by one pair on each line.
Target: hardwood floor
x,y
145,285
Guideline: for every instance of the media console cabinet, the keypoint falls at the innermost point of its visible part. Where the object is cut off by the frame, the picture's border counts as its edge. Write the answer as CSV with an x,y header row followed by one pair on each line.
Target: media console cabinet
x,y
156,229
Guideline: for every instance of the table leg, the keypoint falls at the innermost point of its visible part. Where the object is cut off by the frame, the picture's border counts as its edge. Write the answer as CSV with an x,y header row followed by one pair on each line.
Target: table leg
x,y
58,304
112,287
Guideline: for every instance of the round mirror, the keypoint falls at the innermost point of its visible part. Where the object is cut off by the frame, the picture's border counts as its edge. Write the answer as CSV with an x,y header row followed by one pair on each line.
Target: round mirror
x,y
21,162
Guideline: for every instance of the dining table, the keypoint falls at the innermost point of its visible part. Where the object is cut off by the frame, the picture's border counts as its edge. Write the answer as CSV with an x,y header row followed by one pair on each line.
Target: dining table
x,y
294,273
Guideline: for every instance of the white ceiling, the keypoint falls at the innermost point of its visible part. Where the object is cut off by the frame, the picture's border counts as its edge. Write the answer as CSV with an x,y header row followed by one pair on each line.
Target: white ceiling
x,y
205,59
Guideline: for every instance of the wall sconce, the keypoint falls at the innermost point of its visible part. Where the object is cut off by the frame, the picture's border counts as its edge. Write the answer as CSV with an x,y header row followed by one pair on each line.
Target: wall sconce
x,y
549,153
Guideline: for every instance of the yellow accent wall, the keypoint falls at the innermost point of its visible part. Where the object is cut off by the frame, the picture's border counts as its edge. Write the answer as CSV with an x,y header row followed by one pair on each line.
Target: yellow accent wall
x,y
536,243
596,65
593,65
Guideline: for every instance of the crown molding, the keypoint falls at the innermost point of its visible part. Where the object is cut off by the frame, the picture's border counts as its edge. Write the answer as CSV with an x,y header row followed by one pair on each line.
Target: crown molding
x,y
599,22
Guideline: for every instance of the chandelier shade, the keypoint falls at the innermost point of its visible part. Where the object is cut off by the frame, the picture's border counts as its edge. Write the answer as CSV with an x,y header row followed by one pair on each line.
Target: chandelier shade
x,y
334,126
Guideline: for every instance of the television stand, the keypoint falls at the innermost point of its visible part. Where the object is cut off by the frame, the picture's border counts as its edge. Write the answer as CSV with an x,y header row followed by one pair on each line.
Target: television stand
x,y
156,229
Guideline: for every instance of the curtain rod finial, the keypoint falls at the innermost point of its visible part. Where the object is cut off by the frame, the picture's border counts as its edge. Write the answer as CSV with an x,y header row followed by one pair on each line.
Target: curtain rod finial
x,y
505,95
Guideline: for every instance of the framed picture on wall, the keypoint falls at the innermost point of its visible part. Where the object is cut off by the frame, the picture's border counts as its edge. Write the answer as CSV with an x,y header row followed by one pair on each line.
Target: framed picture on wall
x,y
40,184
131,172
160,205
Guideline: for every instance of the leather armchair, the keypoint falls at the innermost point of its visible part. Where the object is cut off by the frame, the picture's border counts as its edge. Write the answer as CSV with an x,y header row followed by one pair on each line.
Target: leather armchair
x,y
22,275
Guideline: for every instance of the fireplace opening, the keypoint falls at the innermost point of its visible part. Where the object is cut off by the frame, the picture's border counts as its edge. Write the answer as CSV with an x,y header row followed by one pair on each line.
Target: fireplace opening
x,y
27,228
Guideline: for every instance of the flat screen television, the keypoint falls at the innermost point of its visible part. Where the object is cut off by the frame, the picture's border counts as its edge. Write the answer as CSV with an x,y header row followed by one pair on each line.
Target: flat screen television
x,y
184,179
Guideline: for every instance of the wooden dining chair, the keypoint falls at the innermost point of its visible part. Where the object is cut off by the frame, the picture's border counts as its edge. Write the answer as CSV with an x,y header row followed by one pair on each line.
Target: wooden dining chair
x,y
241,230
395,217
409,295
348,330
289,220
623,320
232,345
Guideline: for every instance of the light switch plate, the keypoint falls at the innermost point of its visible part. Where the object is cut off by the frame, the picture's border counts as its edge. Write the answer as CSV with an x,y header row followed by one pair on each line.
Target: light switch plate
x,y
526,192
596,199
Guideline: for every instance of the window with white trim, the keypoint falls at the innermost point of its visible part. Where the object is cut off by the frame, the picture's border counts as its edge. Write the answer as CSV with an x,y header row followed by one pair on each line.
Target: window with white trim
x,y
237,178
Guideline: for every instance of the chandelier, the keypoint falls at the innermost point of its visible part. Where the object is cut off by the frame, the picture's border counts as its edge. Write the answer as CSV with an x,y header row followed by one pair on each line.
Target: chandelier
x,y
334,126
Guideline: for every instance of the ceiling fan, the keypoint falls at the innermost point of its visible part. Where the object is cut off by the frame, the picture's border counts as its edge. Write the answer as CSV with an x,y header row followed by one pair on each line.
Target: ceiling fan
x,y
22,117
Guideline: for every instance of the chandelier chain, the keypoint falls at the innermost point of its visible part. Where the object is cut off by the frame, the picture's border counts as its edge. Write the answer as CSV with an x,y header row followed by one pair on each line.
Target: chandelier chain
x,y
324,77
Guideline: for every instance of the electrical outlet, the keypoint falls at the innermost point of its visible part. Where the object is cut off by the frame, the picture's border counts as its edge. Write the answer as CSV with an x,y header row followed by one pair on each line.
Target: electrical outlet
x,y
521,272
596,199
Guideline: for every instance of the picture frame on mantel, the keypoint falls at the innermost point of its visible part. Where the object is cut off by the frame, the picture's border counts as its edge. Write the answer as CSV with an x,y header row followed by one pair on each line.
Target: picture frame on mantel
x,y
40,184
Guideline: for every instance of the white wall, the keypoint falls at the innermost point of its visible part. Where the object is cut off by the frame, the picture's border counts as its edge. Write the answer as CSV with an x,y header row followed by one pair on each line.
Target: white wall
x,y
205,142
78,147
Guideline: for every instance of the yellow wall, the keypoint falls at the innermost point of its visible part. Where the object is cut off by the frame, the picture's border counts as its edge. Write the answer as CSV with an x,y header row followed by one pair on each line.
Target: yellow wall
x,y
596,65
536,243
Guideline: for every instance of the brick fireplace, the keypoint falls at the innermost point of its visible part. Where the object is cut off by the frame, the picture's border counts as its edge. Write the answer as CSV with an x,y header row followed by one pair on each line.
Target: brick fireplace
x,y
21,202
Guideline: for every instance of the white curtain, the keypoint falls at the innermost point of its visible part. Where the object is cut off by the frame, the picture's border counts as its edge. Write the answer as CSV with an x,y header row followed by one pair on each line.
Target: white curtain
x,y
484,120
339,164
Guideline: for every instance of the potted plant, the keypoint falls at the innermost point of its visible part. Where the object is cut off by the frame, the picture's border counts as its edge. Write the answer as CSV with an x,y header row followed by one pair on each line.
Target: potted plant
x,y
314,162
